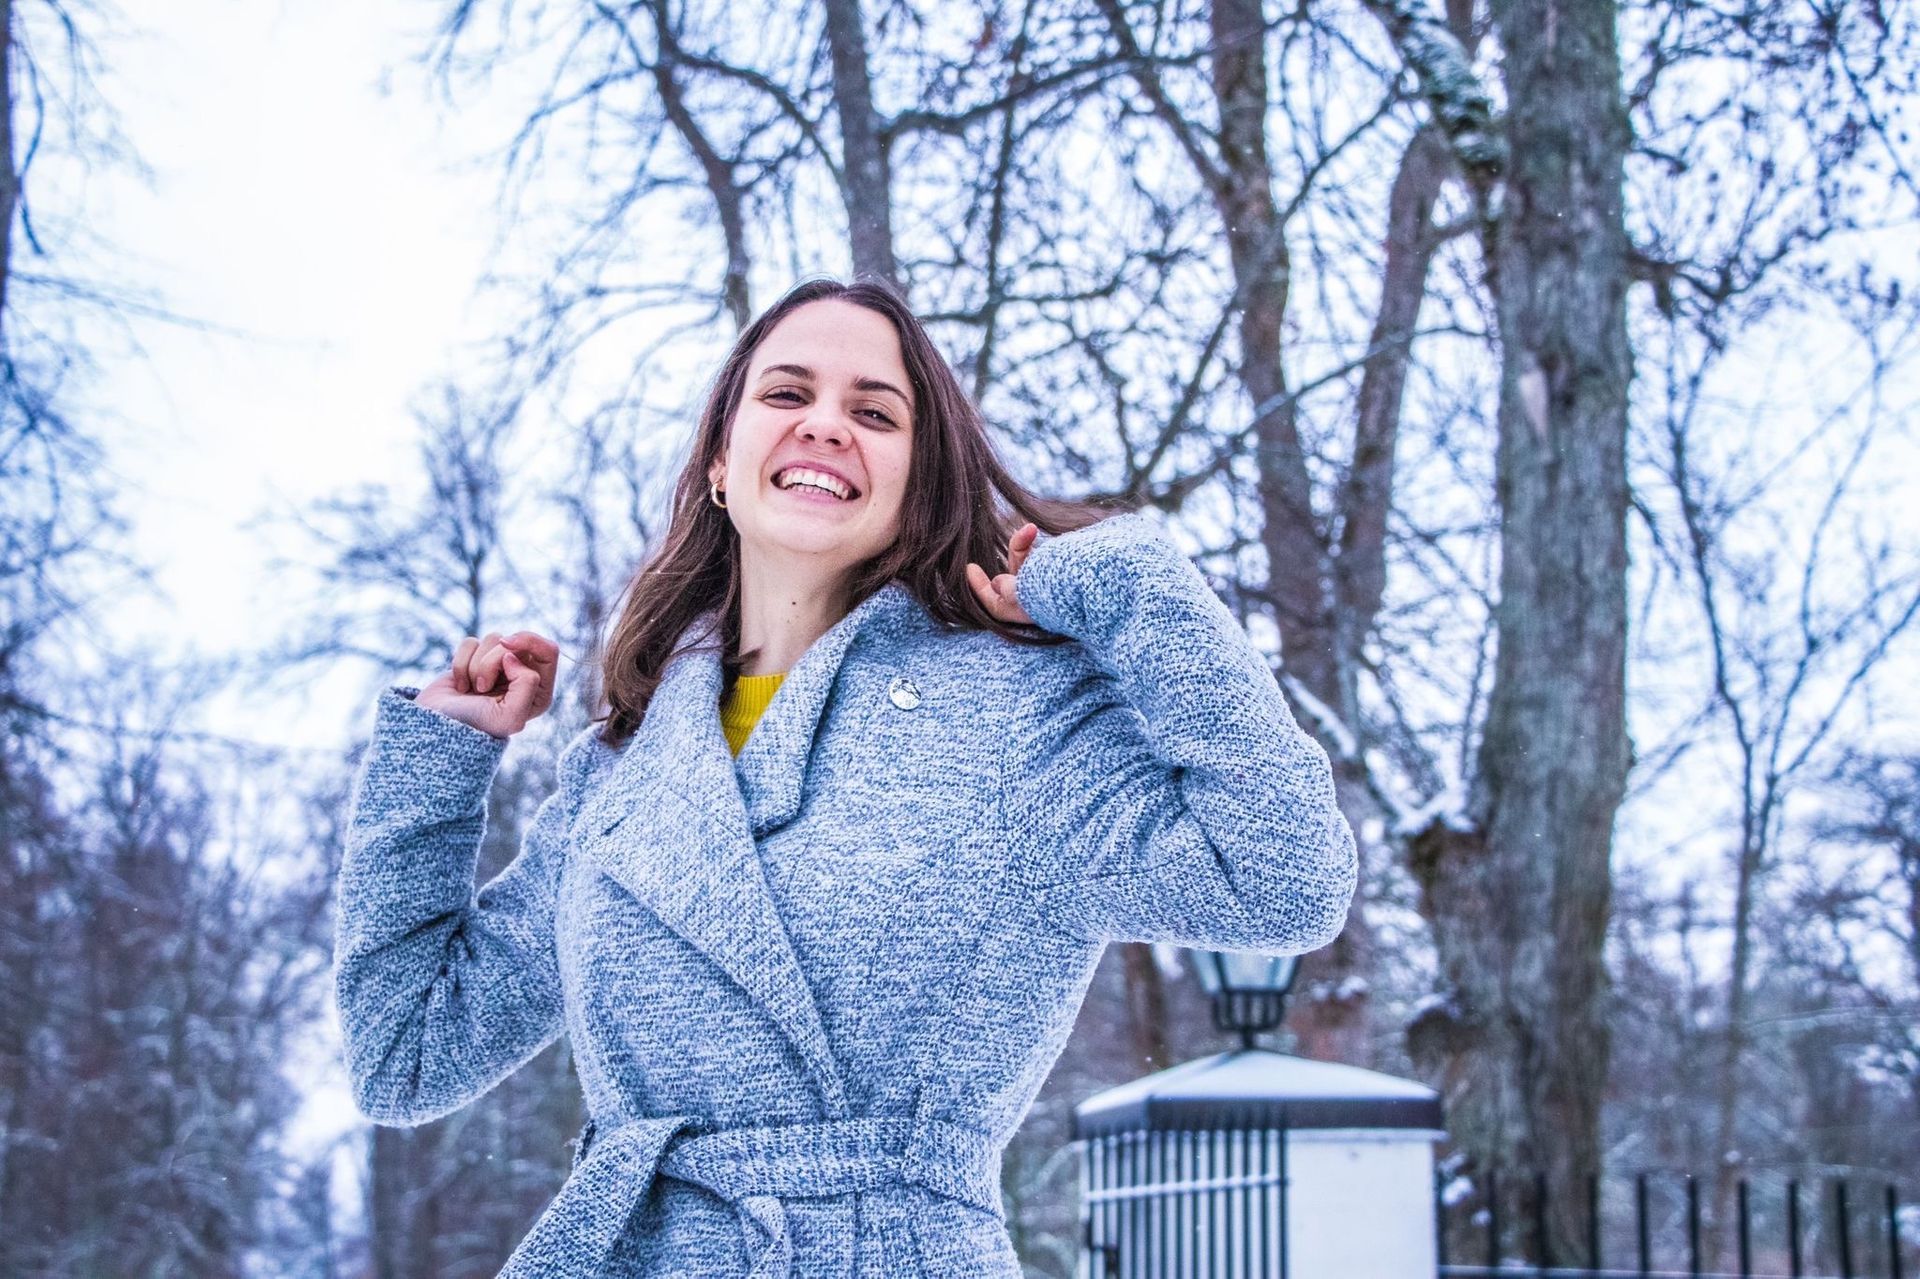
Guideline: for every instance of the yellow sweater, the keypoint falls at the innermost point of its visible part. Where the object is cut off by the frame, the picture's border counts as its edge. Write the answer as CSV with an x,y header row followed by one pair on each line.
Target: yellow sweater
x,y
744,705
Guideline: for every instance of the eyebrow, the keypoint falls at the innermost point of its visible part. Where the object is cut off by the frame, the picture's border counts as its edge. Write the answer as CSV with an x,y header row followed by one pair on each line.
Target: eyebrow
x,y
862,383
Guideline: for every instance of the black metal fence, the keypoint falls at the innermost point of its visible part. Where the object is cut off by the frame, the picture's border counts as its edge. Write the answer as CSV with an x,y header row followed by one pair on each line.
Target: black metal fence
x,y
1651,1224
1212,1204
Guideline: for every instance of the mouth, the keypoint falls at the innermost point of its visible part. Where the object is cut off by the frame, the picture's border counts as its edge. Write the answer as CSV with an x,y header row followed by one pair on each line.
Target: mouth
x,y
815,483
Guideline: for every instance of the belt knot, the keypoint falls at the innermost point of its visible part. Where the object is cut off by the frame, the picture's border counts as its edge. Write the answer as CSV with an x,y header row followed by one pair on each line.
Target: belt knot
x,y
753,1169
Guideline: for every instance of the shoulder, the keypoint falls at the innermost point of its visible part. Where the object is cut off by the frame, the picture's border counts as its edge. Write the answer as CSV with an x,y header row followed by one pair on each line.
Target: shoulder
x,y
992,685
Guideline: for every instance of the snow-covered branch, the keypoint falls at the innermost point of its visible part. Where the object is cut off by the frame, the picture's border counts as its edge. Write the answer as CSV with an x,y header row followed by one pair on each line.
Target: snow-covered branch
x,y
1459,102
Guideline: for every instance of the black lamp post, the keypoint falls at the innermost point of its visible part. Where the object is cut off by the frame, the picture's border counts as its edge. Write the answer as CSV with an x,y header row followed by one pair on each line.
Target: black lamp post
x,y
1249,990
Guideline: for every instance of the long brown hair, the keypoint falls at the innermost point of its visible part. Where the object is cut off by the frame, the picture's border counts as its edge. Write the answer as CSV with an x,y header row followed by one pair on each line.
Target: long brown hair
x,y
947,518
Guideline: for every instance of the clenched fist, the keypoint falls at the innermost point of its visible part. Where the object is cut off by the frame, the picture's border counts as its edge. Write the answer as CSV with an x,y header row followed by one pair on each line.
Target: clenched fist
x,y
496,684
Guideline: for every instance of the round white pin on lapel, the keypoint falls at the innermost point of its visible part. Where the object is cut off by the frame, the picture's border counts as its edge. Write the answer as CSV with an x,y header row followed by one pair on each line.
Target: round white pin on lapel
x,y
903,693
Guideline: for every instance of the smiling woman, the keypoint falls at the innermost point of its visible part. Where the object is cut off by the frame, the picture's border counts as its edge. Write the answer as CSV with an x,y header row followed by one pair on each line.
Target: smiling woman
x,y
813,989
843,381
814,471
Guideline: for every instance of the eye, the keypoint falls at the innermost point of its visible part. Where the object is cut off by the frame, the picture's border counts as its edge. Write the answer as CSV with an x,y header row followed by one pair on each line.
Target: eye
x,y
790,396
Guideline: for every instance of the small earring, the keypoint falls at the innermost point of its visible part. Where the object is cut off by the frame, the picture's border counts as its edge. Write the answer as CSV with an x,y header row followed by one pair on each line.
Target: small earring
x,y
713,493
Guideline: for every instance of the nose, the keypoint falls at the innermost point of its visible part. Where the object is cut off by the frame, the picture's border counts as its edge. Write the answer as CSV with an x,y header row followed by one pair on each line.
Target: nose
x,y
824,424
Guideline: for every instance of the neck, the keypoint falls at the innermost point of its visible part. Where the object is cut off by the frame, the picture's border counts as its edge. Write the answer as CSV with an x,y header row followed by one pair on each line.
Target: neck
x,y
783,611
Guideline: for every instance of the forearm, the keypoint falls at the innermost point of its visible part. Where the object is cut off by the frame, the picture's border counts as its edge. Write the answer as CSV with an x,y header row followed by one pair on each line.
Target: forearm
x,y
440,994
413,832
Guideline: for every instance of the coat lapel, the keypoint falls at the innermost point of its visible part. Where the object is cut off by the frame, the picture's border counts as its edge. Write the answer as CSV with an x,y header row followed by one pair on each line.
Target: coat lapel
x,y
676,820
772,766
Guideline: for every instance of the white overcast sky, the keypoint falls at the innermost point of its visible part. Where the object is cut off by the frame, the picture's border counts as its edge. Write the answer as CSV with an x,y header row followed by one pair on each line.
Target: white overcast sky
x,y
311,203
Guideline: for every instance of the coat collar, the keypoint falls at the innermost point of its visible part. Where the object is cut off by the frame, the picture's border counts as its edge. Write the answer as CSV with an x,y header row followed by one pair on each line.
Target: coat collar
x,y
676,819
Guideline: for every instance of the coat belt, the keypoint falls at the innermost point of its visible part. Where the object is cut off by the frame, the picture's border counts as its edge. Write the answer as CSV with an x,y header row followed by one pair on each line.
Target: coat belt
x,y
754,1170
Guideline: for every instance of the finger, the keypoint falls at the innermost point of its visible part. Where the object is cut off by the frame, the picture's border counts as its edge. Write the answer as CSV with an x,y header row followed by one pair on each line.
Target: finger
x,y
543,655
463,654
523,687
476,653
982,586
533,649
988,589
1012,610
484,665
1019,544
544,667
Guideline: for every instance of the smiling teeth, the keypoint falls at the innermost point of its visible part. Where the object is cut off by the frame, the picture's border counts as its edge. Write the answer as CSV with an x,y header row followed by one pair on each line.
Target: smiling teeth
x,y
818,479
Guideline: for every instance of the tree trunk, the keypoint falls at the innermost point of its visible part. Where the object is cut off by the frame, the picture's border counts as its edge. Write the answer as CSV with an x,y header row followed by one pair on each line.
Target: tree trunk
x,y
863,156
1519,895
1256,247
402,1242
715,170
1332,1023
1360,570
1146,1006
1330,1017
1727,1160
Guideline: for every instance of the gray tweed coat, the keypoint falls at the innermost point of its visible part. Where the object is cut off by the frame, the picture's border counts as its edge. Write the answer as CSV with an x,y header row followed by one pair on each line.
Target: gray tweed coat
x,y
811,991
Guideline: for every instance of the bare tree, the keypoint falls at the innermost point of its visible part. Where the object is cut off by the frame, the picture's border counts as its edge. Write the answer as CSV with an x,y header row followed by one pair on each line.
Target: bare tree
x,y
1856,916
1762,180
163,982
1783,691
57,522
405,576
60,552
1517,886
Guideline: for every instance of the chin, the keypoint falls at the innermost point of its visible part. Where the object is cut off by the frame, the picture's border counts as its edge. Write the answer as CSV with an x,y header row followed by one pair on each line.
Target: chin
x,y
823,542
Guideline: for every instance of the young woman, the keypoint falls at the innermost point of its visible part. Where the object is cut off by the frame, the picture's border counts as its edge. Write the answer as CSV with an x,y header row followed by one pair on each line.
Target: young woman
x,y
818,900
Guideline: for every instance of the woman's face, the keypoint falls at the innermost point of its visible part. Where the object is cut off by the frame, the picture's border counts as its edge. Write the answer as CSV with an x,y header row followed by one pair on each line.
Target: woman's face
x,y
827,393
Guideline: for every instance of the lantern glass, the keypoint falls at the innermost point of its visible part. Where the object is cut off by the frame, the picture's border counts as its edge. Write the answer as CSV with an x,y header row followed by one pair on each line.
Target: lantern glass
x,y
1222,971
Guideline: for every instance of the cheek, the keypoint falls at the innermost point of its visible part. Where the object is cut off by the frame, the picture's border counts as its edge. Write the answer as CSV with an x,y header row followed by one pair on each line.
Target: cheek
x,y
896,470
750,438
749,458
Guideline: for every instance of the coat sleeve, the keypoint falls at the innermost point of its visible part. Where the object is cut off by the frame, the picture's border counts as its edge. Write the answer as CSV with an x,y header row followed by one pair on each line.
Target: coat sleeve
x,y
442,992
1157,786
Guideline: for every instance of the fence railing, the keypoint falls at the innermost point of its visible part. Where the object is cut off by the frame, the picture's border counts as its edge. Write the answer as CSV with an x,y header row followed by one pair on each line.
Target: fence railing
x,y
1213,1204
1652,1226
1174,1205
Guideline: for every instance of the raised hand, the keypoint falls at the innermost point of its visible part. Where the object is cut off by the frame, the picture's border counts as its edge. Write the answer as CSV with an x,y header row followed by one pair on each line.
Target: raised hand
x,y
496,684
996,593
